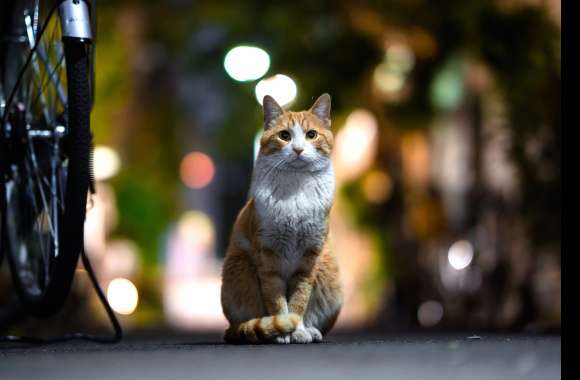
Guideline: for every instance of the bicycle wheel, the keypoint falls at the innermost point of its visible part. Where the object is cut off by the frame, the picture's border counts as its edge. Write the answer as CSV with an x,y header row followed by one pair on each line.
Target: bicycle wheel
x,y
46,143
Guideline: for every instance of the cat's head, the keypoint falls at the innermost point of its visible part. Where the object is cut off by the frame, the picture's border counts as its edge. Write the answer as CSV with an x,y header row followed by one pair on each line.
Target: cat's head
x,y
297,141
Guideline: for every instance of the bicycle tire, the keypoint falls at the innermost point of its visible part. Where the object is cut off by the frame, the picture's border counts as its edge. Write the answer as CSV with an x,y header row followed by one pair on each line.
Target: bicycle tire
x,y
76,145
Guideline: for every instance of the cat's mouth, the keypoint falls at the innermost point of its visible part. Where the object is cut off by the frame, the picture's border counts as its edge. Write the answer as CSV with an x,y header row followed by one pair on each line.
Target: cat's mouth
x,y
299,162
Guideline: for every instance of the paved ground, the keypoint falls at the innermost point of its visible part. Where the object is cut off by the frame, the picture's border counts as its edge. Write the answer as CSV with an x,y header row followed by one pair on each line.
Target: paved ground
x,y
342,357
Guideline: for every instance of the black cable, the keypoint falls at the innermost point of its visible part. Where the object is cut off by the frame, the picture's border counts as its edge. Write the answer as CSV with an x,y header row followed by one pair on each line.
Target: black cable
x,y
118,332
110,313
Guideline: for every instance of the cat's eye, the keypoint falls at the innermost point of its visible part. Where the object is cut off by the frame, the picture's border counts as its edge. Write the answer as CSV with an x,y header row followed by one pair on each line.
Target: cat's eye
x,y
284,135
311,134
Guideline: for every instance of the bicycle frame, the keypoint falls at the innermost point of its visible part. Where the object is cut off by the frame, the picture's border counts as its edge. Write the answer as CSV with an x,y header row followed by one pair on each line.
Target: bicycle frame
x,y
75,20
78,20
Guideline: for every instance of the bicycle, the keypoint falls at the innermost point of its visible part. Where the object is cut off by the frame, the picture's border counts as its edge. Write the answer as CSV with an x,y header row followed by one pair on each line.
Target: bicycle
x,y
46,76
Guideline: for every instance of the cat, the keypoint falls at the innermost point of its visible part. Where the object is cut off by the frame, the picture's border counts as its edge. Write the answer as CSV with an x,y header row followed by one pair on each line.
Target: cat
x,y
280,280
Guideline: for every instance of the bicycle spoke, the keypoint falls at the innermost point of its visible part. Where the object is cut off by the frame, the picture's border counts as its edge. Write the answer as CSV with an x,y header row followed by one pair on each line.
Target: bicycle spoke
x,y
37,175
41,220
51,78
35,65
54,193
29,237
56,48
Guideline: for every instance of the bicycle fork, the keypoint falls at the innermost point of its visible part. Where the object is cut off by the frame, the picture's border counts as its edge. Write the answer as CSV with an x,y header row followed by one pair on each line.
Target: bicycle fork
x,y
75,20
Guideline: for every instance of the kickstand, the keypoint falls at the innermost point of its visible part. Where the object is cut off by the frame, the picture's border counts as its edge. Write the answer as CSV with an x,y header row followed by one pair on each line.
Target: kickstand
x,y
118,331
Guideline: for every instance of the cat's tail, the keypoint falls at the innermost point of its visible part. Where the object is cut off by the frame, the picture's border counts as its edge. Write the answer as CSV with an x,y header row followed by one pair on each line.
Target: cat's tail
x,y
262,329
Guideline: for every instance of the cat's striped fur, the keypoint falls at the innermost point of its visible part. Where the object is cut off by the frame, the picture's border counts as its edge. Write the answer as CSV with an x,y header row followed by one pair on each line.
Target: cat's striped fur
x,y
280,280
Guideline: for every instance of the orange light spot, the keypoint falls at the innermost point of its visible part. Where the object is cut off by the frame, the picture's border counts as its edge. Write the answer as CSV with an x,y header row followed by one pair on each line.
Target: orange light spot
x,y
377,186
197,170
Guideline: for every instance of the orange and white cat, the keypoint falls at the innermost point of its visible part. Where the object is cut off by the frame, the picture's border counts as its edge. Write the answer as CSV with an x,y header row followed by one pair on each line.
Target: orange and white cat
x,y
280,281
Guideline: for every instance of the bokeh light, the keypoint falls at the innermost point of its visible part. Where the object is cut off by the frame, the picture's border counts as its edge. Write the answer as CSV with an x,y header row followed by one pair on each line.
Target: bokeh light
x,y
400,58
191,291
101,219
246,63
377,186
430,313
281,87
196,228
447,87
121,258
389,76
460,254
416,158
356,145
106,162
123,296
197,170
194,303
387,80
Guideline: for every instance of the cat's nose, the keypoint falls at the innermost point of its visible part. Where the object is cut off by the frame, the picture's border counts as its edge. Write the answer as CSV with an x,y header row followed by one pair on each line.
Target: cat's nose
x,y
298,150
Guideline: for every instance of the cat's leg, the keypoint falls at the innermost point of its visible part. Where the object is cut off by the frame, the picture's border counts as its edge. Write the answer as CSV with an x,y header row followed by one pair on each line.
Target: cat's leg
x,y
241,297
273,288
300,290
325,299
272,283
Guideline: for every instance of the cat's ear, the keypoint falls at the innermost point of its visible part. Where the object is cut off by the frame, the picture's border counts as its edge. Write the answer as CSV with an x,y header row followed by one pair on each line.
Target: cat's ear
x,y
321,109
272,110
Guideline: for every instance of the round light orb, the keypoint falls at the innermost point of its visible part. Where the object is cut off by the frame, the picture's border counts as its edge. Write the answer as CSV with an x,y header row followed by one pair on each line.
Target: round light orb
x,y
355,145
387,80
377,186
197,170
106,162
246,63
430,313
122,296
460,254
400,58
197,228
281,87
447,89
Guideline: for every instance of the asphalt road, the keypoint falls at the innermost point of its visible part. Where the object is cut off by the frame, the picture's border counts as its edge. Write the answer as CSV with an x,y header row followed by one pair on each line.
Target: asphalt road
x,y
351,357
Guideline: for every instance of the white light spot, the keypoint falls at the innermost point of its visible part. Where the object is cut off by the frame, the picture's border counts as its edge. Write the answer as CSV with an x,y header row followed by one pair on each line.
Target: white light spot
x,y
430,313
194,303
356,145
246,63
281,87
123,296
460,254
106,162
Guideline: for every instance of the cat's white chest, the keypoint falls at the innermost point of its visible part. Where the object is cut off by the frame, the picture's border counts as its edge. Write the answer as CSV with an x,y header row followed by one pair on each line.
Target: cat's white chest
x,y
292,211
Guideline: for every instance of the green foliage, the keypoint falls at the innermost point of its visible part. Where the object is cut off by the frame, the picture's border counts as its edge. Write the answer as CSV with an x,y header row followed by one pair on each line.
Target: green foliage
x,y
145,210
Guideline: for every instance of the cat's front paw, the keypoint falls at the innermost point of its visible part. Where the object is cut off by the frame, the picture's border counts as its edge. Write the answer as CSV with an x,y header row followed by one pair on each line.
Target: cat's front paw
x,y
282,339
301,335
315,333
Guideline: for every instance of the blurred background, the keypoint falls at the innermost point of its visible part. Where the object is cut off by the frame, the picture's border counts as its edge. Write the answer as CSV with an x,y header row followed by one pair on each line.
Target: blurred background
x,y
448,133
